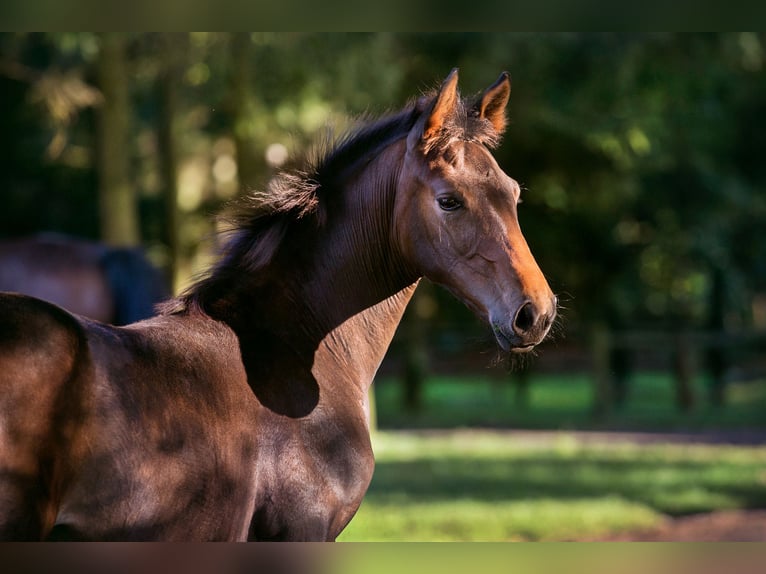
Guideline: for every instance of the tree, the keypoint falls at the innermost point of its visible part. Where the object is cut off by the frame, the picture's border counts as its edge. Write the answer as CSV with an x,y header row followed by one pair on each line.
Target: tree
x,y
117,198
240,106
174,48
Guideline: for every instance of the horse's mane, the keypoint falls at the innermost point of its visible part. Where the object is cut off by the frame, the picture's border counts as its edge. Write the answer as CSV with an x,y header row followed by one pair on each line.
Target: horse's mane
x,y
259,221
260,218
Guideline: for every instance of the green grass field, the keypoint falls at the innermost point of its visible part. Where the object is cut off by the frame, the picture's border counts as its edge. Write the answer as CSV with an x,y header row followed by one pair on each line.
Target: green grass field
x,y
499,483
495,486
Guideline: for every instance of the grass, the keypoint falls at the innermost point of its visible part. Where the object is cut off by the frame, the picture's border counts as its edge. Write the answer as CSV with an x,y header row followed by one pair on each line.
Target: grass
x,y
565,402
494,486
491,483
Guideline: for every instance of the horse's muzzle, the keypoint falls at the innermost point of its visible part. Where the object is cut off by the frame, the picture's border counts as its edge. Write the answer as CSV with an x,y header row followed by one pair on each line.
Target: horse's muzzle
x,y
528,328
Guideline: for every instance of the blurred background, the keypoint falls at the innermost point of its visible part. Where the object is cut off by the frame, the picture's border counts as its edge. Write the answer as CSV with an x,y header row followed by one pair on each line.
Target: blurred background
x,y
640,157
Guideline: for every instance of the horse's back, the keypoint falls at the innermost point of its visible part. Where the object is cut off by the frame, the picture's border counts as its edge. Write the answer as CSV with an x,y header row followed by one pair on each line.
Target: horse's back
x,y
40,345
133,433
164,448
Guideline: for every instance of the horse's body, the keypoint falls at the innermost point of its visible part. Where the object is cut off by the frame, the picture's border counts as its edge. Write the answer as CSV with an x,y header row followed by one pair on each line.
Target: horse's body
x,y
114,285
241,410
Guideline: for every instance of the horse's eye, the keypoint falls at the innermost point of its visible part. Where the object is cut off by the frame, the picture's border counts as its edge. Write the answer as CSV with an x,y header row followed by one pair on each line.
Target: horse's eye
x,y
448,203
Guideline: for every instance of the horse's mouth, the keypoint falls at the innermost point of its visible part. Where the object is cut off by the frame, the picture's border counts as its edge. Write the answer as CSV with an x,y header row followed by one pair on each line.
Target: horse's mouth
x,y
511,343
524,349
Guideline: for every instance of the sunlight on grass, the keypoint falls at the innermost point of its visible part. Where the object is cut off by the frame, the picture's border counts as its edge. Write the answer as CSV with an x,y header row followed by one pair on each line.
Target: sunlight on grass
x,y
494,486
471,520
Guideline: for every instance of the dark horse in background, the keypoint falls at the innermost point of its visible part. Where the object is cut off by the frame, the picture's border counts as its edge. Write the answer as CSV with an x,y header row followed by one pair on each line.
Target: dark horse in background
x,y
241,410
116,285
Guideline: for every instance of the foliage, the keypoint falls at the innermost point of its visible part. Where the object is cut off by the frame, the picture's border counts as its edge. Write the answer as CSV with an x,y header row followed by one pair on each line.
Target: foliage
x,y
479,485
638,153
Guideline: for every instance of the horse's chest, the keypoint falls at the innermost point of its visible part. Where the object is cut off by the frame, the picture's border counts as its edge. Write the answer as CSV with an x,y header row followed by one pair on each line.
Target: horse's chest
x,y
309,491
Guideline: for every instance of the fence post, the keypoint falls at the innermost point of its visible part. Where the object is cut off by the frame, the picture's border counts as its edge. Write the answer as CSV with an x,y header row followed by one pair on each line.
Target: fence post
x,y
684,371
602,387
372,406
415,326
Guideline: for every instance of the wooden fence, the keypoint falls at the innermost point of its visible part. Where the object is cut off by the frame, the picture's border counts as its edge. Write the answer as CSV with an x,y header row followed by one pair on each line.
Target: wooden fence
x,y
682,348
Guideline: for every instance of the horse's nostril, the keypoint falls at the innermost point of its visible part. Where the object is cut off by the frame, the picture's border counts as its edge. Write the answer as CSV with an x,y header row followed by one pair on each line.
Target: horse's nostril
x,y
525,318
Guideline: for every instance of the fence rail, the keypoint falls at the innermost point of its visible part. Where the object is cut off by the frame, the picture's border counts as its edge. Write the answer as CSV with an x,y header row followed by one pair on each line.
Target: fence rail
x,y
681,347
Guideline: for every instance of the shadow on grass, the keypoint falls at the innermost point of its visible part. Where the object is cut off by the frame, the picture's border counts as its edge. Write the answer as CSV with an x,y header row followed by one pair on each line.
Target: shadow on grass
x,y
674,488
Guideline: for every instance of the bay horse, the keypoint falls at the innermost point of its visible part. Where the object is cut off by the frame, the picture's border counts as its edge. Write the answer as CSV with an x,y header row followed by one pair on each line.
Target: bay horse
x,y
241,410
116,285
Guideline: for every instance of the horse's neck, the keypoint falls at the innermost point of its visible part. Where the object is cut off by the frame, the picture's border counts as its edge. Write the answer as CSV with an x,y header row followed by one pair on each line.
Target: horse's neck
x,y
332,311
353,351
358,286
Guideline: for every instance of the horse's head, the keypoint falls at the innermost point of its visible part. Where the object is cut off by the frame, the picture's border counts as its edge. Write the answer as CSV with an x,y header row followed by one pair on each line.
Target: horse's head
x,y
456,217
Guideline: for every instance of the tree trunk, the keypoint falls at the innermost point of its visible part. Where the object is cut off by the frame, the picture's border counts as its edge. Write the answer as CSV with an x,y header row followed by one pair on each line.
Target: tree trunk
x,y
602,383
520,379
620,368
415,328
117,200
174,50
684,372
239,104
717,362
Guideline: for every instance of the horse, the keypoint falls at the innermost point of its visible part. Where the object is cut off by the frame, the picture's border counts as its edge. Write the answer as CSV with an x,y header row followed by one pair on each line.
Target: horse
x,y
240,411
115,285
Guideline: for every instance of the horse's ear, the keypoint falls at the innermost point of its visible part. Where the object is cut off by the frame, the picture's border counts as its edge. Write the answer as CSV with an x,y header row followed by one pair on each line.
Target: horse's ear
x,y
443,108
491,104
